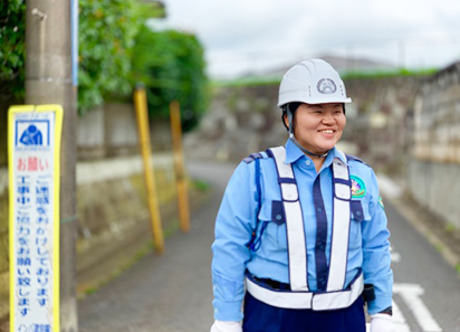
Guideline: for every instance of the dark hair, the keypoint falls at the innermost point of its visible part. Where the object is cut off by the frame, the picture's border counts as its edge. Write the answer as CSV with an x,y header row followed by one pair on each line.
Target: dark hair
x,y
292,107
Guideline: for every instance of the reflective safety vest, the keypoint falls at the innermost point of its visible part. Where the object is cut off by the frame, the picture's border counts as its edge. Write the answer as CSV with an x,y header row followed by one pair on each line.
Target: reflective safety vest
x,y
299,296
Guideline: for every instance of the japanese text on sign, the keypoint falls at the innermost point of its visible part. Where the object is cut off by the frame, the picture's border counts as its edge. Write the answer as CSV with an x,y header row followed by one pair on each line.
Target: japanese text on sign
x,y
34,217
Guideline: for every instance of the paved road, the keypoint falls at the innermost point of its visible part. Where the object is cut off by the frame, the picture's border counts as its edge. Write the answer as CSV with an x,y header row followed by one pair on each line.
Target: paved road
x,y
172,292
168,293
427,289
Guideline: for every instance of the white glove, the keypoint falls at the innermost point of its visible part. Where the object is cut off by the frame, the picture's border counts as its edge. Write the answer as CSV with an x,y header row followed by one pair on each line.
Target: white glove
x,y
221,326
382,323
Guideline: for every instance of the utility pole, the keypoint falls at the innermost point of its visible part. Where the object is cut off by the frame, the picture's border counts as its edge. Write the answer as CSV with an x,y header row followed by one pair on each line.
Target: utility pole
x,y
50,80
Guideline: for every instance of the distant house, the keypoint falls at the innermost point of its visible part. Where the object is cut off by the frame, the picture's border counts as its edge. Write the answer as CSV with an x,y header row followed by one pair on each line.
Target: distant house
x,y
433,176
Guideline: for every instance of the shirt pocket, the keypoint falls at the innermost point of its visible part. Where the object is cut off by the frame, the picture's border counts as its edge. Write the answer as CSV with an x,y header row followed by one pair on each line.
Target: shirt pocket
x,y
273,233
359,213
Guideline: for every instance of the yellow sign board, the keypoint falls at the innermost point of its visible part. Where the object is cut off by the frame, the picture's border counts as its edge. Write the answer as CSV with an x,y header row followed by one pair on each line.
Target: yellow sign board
x,y
34,139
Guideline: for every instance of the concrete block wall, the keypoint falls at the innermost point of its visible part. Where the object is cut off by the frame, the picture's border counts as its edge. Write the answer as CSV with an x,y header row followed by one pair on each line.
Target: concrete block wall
x,y
113,216
111,130
435,185
434,169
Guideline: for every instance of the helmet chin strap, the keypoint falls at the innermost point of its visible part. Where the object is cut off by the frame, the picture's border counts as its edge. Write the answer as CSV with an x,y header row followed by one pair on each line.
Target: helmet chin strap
x,y
293,139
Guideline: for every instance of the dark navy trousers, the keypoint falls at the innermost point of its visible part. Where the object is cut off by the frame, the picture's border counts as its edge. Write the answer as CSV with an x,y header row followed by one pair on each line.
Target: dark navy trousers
x,y
261,317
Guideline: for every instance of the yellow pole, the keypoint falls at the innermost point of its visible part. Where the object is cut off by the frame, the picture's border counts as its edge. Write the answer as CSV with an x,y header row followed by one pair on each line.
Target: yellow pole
x,y
181,181
140,102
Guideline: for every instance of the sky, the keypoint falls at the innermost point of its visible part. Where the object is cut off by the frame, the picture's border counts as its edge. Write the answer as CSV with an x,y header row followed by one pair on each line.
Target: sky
x,y
252,36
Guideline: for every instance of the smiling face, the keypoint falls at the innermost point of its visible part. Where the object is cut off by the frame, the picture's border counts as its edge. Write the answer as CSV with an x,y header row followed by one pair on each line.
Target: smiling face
x,y
319,127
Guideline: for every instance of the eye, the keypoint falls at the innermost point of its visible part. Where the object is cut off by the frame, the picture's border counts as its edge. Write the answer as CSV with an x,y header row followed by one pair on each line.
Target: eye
x,y
338,111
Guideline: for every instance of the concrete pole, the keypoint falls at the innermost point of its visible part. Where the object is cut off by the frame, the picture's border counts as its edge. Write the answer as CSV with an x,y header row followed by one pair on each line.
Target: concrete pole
x,y
49,81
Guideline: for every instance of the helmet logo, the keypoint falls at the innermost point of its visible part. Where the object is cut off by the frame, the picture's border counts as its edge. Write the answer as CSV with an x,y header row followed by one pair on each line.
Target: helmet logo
x,y
326,86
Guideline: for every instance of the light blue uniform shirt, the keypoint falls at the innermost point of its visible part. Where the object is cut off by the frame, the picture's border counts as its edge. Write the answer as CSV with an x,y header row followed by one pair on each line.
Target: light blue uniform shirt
x,y
245,209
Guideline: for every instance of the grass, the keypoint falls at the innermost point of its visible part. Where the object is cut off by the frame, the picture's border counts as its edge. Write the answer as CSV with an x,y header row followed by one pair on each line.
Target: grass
x,y
137,256
450,227
376,74
200,185
438,247
398,72
248,81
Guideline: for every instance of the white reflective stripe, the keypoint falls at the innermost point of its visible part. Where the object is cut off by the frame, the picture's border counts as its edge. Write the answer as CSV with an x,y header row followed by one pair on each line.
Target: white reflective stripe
x,y
342,191
284,170
340,172
307,300
297,250
339,245
339,299
340,230
289,191
296,246
280,299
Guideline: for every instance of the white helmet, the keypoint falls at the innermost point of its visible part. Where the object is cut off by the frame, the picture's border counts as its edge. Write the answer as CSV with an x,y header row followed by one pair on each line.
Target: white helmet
x,y
312,81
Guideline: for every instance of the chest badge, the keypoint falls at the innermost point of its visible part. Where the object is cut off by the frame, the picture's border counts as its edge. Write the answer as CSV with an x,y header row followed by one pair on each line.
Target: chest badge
x,y
358,188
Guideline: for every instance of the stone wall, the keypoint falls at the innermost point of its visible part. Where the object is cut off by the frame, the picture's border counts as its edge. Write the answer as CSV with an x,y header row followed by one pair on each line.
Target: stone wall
x,y
243,120
435,166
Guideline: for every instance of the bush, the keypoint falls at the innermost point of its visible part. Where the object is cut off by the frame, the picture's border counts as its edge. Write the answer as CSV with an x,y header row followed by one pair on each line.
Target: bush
x,y
172,66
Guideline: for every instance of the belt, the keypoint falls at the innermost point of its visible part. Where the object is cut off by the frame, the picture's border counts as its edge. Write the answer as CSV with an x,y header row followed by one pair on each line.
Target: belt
x,y
270,283
318,301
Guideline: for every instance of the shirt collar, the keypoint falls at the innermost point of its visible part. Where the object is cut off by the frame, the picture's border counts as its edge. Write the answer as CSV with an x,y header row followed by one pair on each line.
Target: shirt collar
x,y
293,153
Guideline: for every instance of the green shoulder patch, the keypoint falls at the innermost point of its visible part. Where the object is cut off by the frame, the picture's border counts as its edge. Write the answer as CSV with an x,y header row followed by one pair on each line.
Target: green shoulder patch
x,y
381,202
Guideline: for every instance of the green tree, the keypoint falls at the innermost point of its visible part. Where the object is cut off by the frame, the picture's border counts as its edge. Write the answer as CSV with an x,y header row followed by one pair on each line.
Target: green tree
x,y
106,37
12,45
172,66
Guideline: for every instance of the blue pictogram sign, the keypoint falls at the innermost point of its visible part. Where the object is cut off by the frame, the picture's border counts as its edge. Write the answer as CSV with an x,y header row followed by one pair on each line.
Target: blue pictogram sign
x,y
32,133
31,136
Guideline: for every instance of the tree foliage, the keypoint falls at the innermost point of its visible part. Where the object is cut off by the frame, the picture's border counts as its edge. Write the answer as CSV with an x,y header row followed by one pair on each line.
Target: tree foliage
x,y
116,50
12,46
172,66
106,37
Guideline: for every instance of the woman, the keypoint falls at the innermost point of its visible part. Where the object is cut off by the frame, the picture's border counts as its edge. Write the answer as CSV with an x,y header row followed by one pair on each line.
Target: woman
x,y
302,226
